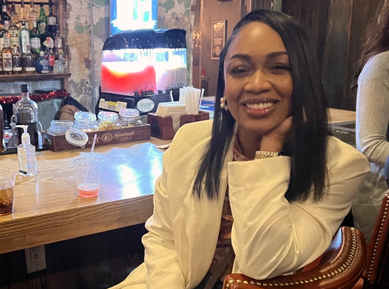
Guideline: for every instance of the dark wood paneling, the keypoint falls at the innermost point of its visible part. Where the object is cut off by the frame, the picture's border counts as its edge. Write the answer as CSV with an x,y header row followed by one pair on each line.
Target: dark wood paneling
x,y
90,262
363,12
336,51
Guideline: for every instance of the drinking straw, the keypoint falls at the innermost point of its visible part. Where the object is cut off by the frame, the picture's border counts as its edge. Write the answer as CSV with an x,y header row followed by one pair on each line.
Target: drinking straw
x,y
171,96
201,98
90,157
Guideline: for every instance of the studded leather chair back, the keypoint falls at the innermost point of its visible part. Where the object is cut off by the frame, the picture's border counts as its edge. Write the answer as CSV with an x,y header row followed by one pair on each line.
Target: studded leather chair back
x,y
377,266
340,267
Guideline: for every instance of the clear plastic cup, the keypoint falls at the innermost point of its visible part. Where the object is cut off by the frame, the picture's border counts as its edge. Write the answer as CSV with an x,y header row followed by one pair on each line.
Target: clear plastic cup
x,y
88,172
7,184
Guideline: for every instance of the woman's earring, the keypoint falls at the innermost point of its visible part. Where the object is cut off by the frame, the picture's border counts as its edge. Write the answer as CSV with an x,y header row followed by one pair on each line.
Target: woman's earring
x,y
223,103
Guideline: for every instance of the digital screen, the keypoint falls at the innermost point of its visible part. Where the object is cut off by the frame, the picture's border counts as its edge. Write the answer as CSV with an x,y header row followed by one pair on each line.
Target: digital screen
x,y
133,15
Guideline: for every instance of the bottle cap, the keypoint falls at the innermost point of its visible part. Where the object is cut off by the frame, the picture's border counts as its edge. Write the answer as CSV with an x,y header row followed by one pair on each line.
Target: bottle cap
x,y
76,137
24,88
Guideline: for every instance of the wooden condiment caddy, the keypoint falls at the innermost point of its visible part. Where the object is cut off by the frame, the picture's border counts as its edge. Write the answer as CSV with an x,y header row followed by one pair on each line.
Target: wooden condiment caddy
x,y
162,127
104,137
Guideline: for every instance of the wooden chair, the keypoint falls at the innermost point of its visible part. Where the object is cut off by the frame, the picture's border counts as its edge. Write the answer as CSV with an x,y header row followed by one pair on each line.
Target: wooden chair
x,y
340,268
376,273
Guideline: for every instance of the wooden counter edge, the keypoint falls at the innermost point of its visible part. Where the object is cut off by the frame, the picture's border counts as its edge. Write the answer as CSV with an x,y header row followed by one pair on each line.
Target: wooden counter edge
x,y
77,222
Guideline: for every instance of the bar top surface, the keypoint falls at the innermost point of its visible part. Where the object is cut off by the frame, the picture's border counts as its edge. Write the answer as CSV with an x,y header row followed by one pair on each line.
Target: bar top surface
x,y
47,207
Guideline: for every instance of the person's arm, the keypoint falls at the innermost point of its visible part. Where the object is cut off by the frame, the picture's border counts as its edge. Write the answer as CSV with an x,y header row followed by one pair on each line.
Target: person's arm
x,y
163,268
373,110
271,236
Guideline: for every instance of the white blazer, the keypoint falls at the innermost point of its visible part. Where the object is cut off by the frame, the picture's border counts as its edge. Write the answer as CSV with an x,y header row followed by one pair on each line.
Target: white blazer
x,y
270,236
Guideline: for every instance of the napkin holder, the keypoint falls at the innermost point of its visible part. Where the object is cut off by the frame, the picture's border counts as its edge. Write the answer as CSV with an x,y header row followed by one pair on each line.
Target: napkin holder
x,y
162,127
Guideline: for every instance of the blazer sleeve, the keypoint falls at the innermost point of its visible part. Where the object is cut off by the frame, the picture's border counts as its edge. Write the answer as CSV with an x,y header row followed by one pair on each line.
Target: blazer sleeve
x,y
161,260
272,237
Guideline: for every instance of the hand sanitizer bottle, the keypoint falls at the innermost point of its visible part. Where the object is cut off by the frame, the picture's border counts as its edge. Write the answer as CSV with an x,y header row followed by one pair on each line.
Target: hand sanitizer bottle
x,y
26,155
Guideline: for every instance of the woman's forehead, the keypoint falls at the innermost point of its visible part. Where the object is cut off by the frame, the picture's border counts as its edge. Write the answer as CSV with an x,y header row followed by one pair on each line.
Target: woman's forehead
x,y
256,37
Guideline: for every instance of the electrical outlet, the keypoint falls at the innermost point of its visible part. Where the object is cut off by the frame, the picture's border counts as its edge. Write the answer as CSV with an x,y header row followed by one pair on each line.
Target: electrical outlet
x,y
35,259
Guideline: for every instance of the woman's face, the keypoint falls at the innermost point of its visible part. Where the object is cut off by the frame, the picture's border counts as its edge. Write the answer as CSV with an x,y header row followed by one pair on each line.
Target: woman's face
x,y
258,81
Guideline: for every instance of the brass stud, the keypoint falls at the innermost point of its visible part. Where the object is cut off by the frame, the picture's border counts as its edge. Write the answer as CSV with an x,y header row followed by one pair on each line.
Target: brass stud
x,y
245,282
228,285
252,282
231,281
239,281
259,283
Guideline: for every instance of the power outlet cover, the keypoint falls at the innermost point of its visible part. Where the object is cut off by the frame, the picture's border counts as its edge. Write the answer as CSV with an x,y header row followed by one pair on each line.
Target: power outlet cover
x,y
35,259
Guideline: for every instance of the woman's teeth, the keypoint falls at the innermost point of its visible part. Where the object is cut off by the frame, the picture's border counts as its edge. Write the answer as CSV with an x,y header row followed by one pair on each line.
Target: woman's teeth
x,y
259,105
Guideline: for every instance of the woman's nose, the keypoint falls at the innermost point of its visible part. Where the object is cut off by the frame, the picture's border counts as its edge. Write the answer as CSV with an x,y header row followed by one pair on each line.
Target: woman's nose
x,y
257,82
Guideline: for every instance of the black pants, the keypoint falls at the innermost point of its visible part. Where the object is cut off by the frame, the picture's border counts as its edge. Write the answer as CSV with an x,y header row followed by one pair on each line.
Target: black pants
x,y
218,284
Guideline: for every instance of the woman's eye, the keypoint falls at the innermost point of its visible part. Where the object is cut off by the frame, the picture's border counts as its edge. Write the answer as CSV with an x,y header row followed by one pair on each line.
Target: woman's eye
x,y
238,71
281,67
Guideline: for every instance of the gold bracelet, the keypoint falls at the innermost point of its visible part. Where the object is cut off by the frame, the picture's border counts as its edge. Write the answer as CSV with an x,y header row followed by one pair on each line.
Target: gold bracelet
x,y
265,154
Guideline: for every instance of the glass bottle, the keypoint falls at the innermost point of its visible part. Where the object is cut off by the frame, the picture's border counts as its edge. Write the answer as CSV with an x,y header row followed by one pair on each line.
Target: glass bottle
x,y
32,16
42,63
59,64
23,12
2,147
17,65
49,53
29,62
13,15
57,39
51,21
5,17
13,33
3,33
26,113
7,57
35,40
24,37
42,22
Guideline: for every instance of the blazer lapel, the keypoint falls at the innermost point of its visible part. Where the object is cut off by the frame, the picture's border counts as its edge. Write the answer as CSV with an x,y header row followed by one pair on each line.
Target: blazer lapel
x,y
204,229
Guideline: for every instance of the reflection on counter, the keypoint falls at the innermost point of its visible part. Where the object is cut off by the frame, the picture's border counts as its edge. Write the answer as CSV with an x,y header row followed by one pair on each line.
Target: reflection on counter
x,y
345,131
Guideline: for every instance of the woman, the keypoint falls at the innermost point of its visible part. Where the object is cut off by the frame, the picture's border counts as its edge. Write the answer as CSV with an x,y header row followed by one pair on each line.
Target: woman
x,y
372,120
265,164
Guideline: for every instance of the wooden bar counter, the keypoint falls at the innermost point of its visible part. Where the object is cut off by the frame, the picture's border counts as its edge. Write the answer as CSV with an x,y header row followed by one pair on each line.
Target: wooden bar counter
x,y
47,207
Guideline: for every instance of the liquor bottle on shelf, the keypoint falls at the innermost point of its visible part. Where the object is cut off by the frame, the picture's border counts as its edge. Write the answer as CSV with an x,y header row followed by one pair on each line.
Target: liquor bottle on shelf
x,y
13,15
32,16
42,64
24,37
17,65
13,34
51,21
23,12
42,23
59,64
4,16
26,112
3,33
35,40
49,53
57,40
29,62
7,57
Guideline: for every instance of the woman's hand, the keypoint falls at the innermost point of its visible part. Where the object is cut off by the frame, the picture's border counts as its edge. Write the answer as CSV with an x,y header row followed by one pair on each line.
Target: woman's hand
x,y
274,140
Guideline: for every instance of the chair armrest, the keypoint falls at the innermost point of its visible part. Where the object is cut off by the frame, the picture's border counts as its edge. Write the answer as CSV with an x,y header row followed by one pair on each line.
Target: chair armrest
x,y
341,266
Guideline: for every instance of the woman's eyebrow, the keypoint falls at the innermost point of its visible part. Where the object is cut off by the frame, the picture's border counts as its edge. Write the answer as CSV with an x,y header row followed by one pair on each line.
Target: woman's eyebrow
x,y
247,57
276,54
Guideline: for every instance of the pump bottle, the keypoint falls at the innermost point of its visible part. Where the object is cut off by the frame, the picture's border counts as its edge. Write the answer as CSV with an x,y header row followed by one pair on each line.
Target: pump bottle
x,y
26,155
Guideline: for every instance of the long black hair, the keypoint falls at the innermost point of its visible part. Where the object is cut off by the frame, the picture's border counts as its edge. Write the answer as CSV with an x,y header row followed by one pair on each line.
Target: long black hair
x,y
308,143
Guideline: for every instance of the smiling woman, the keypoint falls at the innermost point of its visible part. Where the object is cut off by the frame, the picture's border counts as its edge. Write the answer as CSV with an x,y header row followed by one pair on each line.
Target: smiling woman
x,y
259,177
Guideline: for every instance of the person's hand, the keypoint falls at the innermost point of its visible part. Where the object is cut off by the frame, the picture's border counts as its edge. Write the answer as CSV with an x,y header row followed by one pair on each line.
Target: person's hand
x,y
274,140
